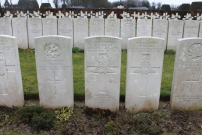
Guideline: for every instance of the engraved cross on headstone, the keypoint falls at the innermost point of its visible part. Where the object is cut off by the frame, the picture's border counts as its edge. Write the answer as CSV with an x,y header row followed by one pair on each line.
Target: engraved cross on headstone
x,y
145,70
54,80
194,79
5,69
103,69
3,74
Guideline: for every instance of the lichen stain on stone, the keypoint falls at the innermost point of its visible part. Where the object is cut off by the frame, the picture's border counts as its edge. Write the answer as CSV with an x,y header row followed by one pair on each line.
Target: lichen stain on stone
x,y
88,95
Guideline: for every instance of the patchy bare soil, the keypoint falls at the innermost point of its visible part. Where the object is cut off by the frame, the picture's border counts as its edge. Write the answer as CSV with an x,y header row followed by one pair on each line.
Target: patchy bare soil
x,y
87,121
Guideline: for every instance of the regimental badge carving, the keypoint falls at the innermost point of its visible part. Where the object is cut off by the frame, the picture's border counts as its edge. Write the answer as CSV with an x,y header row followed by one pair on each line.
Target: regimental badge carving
x,y
35,29
195,51
52,50
49,23
80,22
128,23
96,22
112,23
19,22
145,66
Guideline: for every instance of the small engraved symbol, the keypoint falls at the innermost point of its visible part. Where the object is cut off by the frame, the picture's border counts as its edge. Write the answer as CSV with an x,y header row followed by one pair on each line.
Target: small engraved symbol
x,y
52,50
112,23
145,70
80,22
128,23
96,22
49,23
195,51
19,22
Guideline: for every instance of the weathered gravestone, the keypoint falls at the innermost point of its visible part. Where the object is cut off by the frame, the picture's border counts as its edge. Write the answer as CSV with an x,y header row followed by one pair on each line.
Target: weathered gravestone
x,y
49,25
102,72
186,93
144,27
34,30
191,28
54,71
144,71
112,27
5,26
20,31
175,32
96,26
10,74
160,29
65,28
80,31
127,30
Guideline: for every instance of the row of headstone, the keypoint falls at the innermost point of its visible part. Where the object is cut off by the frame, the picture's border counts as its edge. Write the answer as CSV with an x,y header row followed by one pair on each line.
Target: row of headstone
x,y
78,28
102,73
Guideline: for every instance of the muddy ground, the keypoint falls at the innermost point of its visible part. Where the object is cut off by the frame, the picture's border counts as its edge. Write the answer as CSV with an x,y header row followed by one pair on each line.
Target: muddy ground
x,y
87,121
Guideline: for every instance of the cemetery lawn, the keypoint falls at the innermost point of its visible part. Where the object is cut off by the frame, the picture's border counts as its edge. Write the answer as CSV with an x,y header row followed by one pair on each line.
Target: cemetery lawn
x,y
87,121
29,76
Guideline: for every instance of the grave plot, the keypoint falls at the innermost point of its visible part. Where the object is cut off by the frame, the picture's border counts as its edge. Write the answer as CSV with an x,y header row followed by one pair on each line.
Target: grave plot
x,y
144,25
144,71
19,26
80,31
49,24
65,26
127,29
34,30
102,72
191,28
160,29
54,71
10,73
186,93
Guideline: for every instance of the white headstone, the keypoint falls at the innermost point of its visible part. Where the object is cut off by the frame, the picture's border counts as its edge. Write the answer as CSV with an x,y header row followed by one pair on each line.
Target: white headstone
x,y
96,26
127,30
54,71
10,74
160,29
80,31
65,27
191,28
5,26
144,27
34,30
49,26
112,27
20,31
186,93
144,71
175,32
102,72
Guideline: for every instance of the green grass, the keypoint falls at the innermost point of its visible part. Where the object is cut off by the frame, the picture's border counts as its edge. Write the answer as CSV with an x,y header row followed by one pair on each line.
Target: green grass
x,y
28,70
167,75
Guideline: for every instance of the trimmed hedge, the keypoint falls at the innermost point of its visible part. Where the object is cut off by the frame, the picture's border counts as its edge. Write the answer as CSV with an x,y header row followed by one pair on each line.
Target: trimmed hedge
x,y
196,6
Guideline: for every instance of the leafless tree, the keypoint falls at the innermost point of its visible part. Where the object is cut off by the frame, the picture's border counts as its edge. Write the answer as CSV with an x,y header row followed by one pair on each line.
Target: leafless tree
x,y
56,3
159,5
153,5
